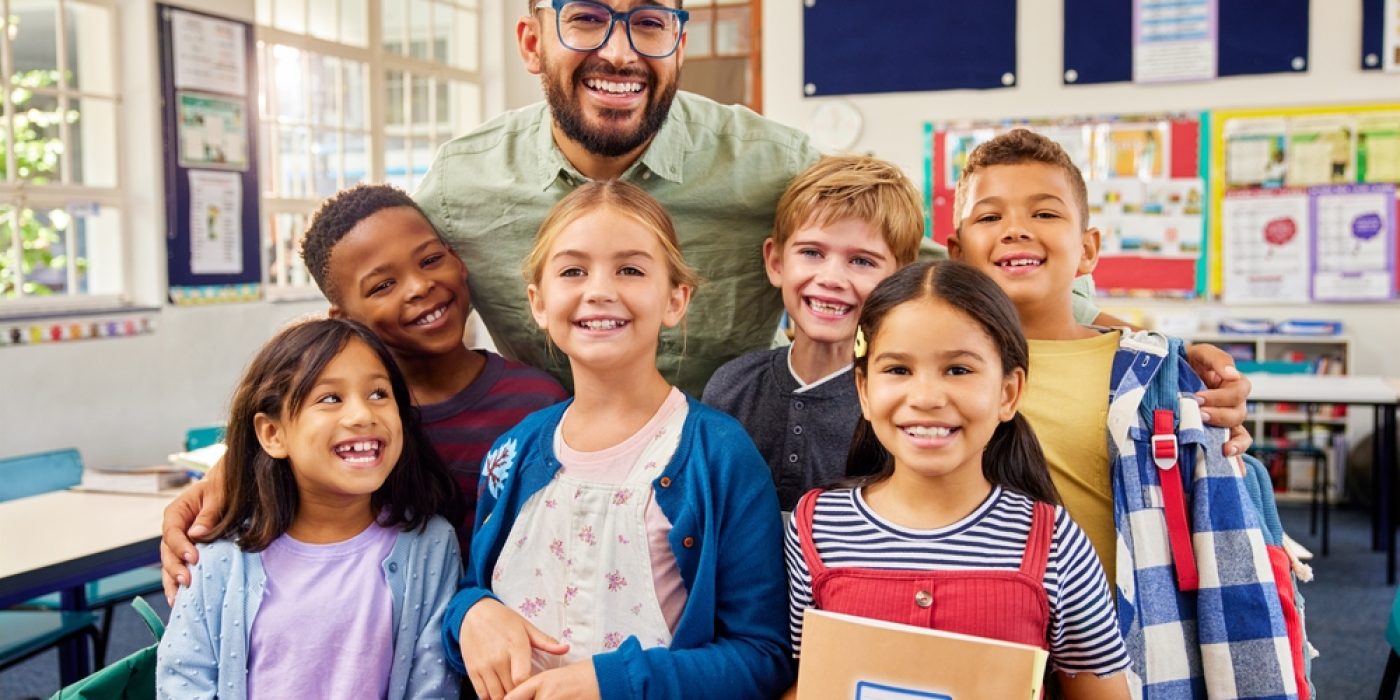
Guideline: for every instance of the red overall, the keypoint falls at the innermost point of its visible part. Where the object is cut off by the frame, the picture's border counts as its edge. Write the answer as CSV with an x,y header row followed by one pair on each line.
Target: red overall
x,y
1006,605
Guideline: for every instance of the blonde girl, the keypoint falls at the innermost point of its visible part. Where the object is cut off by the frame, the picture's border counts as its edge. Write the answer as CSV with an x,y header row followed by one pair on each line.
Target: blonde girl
x,y
628,542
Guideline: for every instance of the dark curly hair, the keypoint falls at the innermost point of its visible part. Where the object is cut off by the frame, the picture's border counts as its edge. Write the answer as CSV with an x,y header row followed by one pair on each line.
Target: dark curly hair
x,y
337,216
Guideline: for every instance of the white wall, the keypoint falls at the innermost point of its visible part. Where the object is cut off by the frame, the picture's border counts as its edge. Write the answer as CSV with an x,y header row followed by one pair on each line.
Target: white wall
x,y
893,123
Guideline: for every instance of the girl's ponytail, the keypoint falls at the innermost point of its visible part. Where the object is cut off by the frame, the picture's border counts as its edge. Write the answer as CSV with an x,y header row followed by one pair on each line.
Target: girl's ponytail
x,y
1013,460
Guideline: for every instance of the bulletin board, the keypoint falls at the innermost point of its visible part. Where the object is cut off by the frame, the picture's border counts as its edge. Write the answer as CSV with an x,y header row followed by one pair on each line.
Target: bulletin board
x,y
1253,37
1303,203
1373,35
1146,196
907,46
209,124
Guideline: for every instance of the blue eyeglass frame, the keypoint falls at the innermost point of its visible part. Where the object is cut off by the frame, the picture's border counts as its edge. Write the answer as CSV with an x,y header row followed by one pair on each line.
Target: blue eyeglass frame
x,y
615,17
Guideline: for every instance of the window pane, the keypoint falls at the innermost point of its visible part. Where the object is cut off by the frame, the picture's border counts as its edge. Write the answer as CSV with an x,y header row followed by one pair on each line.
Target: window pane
x,y
284,234
34,33
396,163
422,157
290,15
420,18
323,79
732,31
45,257
392,26
420,115
262,12
295,171
322,21
9,271
464,41
269,152
354,22
38,144
288,78
97,233
326,168
697,33
356,158
356,94
90,58
464,108
394,101
94,139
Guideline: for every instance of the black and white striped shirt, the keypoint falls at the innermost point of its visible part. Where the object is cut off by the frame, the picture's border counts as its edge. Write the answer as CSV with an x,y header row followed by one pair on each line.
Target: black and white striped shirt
x,y
1083,630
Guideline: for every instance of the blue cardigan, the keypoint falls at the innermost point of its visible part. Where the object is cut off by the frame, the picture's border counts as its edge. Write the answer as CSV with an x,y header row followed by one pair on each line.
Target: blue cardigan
x,y
204,651
731,640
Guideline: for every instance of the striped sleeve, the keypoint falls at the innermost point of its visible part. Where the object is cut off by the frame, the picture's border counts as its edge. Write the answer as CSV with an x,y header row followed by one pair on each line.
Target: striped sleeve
x,y
799,584
1084,636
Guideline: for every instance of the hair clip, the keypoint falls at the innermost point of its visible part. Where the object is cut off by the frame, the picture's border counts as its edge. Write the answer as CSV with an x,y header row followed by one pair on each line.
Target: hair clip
x,y
861,345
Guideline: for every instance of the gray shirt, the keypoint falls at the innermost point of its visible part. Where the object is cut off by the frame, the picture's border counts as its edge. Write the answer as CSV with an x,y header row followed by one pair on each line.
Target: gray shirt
x,y
804,435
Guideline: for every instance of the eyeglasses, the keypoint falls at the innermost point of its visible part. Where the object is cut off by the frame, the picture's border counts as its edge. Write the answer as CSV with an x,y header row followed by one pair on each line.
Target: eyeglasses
x,y
653,31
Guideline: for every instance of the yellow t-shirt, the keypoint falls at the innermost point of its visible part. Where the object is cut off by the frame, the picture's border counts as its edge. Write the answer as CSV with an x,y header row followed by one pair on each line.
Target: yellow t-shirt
x,y
1066,402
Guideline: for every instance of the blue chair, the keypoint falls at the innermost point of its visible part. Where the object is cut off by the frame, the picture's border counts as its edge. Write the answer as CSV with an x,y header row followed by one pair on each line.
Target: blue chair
x,y
30,475
203,436
1392,665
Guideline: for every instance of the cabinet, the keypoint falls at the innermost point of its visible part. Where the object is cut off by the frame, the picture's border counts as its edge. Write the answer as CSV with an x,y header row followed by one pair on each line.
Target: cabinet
x,y
1279,425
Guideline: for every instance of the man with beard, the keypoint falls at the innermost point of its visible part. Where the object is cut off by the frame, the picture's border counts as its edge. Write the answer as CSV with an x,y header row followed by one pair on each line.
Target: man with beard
x,y
612,110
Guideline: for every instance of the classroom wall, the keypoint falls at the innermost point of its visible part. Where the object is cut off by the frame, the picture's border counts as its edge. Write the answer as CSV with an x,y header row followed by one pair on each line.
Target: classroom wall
x,y
893,123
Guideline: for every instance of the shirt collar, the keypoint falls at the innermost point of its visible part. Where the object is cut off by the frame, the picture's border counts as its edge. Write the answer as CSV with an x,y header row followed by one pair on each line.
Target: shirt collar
x,y
665,156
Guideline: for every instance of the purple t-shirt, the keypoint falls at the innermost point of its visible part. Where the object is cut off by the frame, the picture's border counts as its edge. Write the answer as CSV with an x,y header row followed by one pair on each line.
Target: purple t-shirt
x,y
325,627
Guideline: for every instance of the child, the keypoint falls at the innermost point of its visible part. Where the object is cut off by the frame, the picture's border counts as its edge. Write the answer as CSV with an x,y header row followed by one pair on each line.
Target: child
x,y
630,537
955,525
1022,219
841,227
328,573
380,262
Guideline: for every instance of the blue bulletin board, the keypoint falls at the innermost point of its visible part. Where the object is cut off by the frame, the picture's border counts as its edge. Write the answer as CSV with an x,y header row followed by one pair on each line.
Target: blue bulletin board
x,y
1256,37
853,47
210,150
1372,34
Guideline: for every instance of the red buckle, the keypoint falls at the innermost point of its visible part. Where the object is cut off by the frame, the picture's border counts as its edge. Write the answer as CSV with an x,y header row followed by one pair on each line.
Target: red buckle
x,y
1164,451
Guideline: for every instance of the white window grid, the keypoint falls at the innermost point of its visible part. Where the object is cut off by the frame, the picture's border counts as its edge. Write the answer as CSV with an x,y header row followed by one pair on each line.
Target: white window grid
x,y
94,274
290,196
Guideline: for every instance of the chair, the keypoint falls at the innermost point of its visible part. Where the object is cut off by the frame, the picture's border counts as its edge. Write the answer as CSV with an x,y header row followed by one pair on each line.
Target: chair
x,y
24,634
30,475
203,436
1392,665
1319,499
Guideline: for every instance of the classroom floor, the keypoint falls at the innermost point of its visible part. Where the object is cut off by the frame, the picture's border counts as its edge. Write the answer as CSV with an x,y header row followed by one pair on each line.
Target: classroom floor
x,y
1348,604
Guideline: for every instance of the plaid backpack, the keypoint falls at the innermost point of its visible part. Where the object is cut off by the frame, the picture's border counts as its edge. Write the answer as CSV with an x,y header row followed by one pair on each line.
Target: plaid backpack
x,y
1199,599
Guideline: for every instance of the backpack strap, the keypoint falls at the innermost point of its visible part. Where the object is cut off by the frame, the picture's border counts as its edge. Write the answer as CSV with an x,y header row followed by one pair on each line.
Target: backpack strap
x,y
1165,454
1038,541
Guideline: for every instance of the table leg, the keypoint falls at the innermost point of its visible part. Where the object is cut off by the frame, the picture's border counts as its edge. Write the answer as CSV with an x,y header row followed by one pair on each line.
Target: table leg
x,y
1384,469
1377,477
73,663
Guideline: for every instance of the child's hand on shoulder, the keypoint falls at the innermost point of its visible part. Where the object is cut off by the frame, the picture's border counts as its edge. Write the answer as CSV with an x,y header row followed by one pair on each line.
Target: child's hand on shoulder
x,y
577,681
497,644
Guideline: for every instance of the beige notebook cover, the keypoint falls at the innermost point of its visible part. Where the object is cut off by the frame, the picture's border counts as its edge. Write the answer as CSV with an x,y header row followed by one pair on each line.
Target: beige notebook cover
x,y
854,658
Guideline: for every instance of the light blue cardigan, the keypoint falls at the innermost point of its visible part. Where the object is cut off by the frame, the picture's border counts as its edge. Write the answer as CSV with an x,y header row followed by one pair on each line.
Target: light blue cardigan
x,y
205,656
731,640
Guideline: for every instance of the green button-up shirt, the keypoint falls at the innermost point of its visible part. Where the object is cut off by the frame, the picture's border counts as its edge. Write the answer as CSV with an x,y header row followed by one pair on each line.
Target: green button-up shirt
x,y
717,169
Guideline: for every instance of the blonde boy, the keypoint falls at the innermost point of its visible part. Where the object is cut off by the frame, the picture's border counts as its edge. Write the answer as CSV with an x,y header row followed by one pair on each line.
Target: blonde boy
x,y
841,227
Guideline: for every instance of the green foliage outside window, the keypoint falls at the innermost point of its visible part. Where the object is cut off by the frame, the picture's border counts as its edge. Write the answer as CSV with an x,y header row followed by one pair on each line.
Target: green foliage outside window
x,y
38,150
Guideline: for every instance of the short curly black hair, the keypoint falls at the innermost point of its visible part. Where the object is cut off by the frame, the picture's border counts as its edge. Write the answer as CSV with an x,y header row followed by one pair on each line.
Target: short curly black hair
x,y
337,215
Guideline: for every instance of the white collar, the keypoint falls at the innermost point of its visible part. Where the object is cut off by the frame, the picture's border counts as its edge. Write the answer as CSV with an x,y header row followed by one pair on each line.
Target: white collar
x,y
802,386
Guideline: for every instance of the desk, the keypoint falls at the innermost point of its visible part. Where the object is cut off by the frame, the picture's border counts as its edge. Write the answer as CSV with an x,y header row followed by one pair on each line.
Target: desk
x,y
1383,395
59,541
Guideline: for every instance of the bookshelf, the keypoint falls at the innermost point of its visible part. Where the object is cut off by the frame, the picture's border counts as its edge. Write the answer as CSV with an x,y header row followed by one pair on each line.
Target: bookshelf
x,y
1283,424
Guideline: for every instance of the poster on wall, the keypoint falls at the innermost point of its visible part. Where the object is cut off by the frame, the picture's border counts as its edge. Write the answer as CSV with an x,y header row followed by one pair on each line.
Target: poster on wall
x,y
209,53
1137,150
216,222
1353,242
212,132
1320,150
1378,147
1256,151
1266,247
1150,218
1174,40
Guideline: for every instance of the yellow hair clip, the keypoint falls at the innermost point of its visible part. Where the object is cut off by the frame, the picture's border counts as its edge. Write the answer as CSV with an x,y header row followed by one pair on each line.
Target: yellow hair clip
x,y
861,345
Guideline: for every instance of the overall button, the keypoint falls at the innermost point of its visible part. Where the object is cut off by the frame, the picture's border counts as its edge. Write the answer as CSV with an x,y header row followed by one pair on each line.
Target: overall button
x,y
688,542
393,567
923,599
665,482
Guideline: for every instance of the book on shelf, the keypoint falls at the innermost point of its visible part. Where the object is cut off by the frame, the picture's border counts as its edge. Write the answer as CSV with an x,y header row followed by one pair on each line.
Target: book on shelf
x,y
855,658
134,479
198,462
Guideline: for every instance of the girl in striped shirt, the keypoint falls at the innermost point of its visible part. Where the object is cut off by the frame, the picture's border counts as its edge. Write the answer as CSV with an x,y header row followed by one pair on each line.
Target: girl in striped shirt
x,y
951,521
